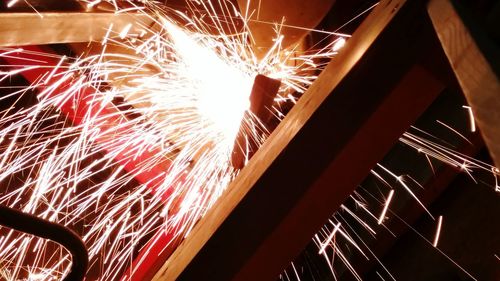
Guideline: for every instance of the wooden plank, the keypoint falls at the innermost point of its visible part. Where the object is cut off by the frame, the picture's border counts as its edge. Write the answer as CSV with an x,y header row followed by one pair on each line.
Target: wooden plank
x,y
19,29
40,6
348,119
474,68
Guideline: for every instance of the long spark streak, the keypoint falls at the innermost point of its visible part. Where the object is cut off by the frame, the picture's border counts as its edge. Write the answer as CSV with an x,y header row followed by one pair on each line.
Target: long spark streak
x,y
472,121
386,207
438,231
329,239
11,3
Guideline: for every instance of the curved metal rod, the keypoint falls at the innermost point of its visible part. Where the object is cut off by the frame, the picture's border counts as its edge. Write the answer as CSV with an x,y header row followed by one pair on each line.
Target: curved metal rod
x,y
62,235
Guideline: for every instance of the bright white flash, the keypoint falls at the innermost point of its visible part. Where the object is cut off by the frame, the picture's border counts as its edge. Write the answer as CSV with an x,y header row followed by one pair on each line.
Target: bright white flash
x,y
223,90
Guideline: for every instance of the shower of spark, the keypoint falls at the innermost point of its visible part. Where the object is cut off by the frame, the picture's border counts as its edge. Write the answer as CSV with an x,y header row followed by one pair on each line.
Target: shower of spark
x,y
131,145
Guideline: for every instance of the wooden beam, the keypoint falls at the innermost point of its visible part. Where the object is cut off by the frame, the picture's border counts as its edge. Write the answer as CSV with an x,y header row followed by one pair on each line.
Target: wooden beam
x,y
20,29
348,119
40,6
474,61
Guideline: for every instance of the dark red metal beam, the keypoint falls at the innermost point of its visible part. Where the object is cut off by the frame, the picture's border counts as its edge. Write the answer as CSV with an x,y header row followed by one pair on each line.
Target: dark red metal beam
x,y
111,124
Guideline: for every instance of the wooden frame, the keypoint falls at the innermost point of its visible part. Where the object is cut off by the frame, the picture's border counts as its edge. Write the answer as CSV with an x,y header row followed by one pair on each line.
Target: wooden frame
x,y
348,119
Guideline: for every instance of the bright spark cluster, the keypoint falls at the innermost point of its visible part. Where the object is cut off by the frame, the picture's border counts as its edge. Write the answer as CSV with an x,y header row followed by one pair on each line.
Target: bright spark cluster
x,y
132,140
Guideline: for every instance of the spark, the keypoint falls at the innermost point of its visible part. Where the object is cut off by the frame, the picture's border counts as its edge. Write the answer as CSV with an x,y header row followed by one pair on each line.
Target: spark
x,y
339,44
343,35
472,121
125,31
329,239
380,276
496,172
438,231
11,3
401,181
454,131
386,207
442,153
295,271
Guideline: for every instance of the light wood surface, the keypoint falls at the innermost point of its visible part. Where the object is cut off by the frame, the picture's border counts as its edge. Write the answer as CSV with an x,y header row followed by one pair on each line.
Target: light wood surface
x,y
473,70
20,29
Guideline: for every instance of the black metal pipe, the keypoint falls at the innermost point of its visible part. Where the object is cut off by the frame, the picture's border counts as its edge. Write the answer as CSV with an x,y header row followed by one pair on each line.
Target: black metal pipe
x,y
60,234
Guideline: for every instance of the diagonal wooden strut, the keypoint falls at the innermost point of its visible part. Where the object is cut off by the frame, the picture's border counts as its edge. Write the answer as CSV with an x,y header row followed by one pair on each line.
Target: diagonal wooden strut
x,y
346,122
475,61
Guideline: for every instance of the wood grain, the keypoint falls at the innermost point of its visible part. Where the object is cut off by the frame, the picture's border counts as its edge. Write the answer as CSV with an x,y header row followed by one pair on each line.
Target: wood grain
x,y
473,70
20,29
